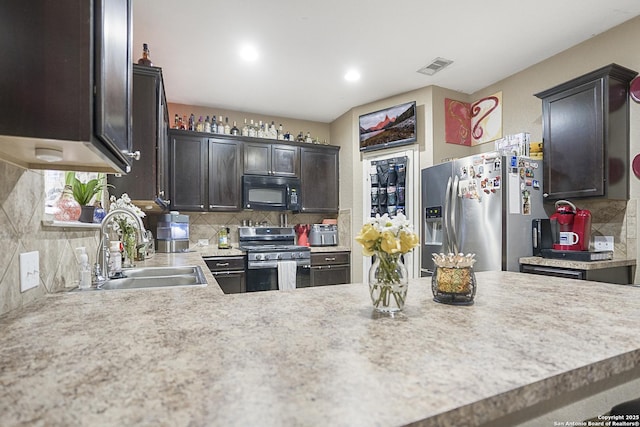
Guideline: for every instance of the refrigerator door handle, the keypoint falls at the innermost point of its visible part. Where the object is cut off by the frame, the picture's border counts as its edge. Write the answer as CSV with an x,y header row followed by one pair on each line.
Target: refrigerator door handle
x,y
454,198
445,219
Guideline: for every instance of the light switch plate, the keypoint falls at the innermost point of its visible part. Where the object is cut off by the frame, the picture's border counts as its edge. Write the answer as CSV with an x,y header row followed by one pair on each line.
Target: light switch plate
x,y
29,270
603,243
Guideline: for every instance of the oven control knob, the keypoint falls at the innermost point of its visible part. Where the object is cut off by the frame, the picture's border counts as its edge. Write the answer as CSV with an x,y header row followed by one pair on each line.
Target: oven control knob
x,y
278,256
266,257
259,257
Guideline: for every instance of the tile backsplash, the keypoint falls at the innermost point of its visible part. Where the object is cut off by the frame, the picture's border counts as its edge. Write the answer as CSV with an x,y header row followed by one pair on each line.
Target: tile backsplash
x,y
205,225
21,230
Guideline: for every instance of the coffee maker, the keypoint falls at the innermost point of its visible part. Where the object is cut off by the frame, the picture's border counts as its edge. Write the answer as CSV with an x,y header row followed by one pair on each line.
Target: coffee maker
x,y
570,227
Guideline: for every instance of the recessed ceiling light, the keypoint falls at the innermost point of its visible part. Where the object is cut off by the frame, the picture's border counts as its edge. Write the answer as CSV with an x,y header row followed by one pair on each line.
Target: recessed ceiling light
x,y
248,53
352,76
48,154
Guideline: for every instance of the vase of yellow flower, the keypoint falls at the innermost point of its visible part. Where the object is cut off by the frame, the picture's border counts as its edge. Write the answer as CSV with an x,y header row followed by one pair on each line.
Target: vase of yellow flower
x,y
387,239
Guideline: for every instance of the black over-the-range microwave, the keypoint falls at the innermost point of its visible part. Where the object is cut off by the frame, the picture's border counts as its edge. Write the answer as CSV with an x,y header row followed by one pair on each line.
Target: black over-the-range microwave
x,y
270,193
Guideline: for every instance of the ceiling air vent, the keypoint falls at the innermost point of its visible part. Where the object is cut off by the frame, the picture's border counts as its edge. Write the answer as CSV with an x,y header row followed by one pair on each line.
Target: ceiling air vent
x,y
435,66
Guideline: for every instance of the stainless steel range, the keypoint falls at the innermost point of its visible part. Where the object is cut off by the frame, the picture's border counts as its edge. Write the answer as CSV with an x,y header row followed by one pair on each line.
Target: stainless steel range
x,y
266,248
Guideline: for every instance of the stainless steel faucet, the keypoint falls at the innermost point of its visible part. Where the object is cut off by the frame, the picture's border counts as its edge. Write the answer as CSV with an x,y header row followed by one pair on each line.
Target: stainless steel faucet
x,y
101,269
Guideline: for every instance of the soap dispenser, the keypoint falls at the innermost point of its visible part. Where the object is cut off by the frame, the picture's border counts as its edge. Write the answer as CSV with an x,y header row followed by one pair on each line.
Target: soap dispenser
x,y
84,269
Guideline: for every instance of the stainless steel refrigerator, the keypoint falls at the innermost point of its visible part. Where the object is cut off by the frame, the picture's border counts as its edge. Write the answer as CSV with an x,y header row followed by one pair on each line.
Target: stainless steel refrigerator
x,y
482,204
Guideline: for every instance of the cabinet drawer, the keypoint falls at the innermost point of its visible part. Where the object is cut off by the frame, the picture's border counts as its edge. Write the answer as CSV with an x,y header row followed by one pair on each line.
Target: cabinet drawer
x,y
225,263
329,258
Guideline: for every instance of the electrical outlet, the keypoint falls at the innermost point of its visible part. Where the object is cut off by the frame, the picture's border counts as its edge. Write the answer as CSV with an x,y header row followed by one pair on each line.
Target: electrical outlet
x,y
29,270
603,243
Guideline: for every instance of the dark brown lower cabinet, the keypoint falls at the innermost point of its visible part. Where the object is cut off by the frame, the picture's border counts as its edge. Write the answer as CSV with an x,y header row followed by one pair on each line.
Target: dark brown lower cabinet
x,y
229,272
330,268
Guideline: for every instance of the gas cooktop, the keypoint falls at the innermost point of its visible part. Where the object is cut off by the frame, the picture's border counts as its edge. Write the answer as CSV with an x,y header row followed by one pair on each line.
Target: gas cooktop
x,y
274,248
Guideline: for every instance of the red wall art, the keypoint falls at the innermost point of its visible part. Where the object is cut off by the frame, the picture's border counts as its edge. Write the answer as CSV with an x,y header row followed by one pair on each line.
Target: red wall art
x,y
457,122
475,123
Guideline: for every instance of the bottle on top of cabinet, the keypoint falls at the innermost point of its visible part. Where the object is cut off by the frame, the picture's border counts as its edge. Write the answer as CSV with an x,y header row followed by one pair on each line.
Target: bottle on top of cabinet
x,y
145,60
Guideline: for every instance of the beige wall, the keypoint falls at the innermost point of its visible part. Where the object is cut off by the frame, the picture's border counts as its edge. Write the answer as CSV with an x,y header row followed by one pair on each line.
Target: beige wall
x,y
521,113
318,130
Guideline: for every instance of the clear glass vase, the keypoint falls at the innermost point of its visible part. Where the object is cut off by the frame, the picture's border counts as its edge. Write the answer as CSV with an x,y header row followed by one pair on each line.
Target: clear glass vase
x,y
129,242
388,283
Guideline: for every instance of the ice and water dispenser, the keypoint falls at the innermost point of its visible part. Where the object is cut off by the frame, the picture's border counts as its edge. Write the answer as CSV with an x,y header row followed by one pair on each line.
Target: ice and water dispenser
x,y
433,225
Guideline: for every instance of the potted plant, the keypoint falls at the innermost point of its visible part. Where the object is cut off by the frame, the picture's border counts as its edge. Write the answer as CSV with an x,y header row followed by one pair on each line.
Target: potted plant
x,y
84,193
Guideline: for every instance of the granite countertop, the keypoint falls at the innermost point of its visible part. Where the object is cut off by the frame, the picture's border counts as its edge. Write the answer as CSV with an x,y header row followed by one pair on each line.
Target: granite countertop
x,y
578,265
312,356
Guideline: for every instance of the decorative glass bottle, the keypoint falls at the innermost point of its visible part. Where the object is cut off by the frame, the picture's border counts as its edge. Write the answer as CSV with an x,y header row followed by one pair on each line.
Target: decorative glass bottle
x,y
67,208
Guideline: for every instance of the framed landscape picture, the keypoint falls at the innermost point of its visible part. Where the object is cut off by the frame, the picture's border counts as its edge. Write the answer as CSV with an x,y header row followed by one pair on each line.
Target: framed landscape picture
x,y
389,127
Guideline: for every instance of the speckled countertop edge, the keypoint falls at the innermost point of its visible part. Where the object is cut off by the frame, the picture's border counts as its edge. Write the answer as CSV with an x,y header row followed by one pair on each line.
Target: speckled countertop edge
x,y
313,356
579,265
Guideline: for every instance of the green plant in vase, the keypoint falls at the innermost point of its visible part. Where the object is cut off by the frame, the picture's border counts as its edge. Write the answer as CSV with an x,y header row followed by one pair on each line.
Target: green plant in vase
x,y
85,192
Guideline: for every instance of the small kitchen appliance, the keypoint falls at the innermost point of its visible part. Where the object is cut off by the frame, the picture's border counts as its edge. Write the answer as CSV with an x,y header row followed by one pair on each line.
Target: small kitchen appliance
x,y
323,235
270,193
570,227
173,233
266,247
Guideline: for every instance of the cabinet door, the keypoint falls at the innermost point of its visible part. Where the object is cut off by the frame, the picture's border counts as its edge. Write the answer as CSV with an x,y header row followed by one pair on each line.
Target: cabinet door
x,y
231,282
574,142
141,182
113,68
67,83
257,159
188,173
319,179
330,275
225,185
162,168
285,160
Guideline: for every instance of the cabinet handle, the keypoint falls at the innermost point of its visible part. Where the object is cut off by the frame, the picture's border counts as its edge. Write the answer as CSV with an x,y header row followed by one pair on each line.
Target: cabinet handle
x,y
222,264
201,206
135,155
330,259
210,206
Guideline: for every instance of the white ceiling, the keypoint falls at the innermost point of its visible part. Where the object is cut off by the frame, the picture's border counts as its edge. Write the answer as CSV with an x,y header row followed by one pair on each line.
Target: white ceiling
x,y
306,47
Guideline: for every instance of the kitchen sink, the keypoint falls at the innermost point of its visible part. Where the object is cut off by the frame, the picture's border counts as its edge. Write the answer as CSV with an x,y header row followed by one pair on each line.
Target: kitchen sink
x,y
156,277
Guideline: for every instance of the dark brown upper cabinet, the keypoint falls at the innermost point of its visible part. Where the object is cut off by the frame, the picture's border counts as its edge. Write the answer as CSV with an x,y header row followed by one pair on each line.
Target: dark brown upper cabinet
x,y
586,135
188,172
271,159
225,175
319,181
66,84
205,174
149,175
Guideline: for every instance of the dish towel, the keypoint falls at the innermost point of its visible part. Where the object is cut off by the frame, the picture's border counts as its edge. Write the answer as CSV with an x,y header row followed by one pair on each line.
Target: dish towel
x,y
286,275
